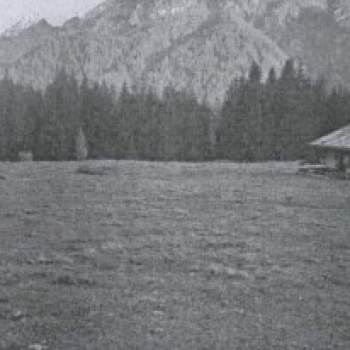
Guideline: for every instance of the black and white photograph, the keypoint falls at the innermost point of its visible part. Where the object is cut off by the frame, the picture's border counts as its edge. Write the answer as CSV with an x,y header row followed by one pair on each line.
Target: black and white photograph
x,y
174,174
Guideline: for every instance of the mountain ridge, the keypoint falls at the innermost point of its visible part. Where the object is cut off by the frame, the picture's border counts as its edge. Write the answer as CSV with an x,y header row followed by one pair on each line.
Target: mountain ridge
x,y
192,44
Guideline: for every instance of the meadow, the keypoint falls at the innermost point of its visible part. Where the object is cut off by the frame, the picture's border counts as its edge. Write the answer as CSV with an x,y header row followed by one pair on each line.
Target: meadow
x,y
142,255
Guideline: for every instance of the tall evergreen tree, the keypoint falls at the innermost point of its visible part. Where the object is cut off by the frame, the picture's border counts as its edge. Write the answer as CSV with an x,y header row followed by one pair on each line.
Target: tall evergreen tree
x,y
61,121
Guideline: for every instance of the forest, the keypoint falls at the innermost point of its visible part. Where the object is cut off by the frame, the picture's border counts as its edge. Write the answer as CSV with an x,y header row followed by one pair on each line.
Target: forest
x,y
260,119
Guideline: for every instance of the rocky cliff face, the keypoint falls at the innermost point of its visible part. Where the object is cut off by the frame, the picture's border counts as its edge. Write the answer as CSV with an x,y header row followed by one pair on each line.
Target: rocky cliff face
x,y
316,32
199,45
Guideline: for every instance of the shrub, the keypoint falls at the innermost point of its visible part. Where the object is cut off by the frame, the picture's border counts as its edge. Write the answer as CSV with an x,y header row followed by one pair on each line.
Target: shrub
x,y
81,146
25,156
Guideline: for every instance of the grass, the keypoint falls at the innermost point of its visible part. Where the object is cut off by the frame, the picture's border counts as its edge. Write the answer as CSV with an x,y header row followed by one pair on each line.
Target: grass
x,y
173,256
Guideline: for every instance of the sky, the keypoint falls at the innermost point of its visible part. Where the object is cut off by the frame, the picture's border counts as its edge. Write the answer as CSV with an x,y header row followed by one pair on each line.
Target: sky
x,y
55,11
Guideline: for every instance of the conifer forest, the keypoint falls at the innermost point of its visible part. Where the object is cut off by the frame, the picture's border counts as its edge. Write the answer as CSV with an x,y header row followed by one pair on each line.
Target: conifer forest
x,y
259,119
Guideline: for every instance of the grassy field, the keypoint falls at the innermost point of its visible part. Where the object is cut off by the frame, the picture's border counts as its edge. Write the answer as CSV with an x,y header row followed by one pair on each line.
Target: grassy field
x,y
173,256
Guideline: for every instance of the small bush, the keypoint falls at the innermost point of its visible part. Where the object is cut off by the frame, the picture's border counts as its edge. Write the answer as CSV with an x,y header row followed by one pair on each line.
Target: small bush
x,y
25,156
81,146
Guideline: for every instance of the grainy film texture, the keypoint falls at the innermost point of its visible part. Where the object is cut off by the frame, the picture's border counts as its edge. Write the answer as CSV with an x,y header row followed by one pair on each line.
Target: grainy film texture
x,y
174,174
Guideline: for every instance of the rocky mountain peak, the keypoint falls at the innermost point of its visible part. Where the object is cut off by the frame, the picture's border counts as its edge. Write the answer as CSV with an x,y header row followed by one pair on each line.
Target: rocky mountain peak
x,y
197,45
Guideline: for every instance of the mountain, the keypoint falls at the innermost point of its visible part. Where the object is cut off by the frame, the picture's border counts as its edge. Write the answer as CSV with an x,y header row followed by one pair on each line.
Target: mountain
x,y
18,27
21,41
316,31
199,45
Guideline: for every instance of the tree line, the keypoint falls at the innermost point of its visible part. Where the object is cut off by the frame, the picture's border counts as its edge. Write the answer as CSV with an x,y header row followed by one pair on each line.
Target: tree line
x,y
259,120
276,119
69,118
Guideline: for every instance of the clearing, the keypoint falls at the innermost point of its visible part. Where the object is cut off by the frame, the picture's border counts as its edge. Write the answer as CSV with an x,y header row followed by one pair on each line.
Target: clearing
x,y
173,256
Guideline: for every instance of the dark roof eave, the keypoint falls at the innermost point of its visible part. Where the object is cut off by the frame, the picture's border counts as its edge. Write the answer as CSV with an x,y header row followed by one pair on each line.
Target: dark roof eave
x,y
331,148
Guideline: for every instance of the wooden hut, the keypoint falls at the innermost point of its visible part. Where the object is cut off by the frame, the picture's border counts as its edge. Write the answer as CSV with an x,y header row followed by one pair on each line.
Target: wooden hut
x,y
334,149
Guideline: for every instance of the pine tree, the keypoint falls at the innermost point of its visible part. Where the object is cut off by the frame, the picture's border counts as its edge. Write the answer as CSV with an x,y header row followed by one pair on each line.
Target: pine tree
x,y
124,143
61,121
151,125
270,116
9,118
255,73
286,104
254,115
172,118
32,118
231,137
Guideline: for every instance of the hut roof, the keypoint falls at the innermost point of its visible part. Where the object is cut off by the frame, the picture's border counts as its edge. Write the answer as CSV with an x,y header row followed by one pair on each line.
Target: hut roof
x,y
338,140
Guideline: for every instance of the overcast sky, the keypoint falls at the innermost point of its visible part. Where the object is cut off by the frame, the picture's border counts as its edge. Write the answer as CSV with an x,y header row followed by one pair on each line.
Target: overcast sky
x,y
55,11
